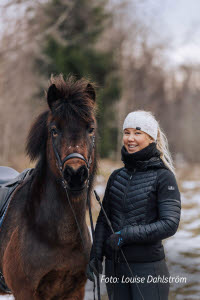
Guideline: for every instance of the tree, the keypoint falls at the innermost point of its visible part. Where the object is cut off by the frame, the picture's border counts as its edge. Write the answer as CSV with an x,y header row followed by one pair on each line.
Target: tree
x,y
72,49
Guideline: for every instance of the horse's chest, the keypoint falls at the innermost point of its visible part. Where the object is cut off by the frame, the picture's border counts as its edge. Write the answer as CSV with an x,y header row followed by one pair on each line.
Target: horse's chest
x,y
59,283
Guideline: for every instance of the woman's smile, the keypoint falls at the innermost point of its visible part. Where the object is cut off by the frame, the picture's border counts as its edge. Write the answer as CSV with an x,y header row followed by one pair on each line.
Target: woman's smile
x,y
131,147
135,140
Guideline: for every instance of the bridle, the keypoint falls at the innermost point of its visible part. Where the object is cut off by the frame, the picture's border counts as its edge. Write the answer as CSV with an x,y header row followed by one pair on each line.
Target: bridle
x,y
60,164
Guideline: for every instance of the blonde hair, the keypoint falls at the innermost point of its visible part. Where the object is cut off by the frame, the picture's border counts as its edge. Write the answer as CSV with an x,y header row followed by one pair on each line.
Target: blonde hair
x,y
162,146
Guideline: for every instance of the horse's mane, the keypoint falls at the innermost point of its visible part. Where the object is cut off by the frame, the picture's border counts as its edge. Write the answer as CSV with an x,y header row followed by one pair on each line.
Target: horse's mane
x,y
74,98
73,103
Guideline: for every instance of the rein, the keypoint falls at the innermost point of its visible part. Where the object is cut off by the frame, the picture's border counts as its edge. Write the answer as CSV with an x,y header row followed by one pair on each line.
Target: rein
x,y
111,228
60,165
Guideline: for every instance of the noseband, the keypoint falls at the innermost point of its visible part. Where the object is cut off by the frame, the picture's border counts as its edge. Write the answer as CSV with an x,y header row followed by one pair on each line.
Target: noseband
x,y
60,163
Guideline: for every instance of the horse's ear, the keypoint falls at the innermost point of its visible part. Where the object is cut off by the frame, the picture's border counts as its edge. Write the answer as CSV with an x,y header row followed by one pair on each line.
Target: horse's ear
x,y
53,94
91,91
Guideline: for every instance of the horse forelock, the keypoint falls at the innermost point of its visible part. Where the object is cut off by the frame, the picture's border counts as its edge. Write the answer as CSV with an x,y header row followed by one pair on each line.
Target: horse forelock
x,y
69,109
74,99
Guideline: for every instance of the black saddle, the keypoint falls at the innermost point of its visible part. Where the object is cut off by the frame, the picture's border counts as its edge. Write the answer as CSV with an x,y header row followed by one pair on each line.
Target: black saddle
x,y
9,181
7,174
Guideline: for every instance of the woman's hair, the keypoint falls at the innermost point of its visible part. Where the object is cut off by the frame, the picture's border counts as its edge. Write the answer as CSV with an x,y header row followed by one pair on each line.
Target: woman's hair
x,y
162,145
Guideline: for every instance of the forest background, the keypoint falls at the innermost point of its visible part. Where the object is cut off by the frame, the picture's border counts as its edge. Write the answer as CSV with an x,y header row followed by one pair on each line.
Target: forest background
x,y
124,48
115,44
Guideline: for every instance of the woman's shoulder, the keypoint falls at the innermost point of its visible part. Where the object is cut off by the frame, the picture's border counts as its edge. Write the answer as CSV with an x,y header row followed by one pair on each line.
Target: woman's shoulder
x,y
113,175
111,180
115,172
165,172
166,178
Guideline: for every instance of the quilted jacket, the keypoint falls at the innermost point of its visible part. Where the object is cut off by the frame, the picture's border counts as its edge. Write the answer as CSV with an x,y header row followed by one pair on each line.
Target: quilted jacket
x,y
144,204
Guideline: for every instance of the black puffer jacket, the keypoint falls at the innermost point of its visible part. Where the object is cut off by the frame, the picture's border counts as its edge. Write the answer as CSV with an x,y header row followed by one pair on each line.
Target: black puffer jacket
x,y
142,201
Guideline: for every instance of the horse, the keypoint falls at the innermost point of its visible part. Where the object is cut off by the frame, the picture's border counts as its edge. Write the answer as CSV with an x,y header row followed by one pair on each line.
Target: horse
x,y
44,238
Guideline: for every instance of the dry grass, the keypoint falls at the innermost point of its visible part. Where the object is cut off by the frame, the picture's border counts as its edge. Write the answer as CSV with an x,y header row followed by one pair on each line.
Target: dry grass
x,y
188,172
19,163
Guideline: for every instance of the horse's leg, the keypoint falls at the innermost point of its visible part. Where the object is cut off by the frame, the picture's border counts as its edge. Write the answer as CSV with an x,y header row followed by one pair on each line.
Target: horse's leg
x,y
25,294
14,273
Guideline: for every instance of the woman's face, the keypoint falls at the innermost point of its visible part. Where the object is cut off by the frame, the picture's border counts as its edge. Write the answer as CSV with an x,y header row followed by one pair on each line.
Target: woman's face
x,y
135,140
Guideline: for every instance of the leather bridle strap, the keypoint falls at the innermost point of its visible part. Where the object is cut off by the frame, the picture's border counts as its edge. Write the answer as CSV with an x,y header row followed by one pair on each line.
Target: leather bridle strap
x,y
58,160
88,164
72,155
75,155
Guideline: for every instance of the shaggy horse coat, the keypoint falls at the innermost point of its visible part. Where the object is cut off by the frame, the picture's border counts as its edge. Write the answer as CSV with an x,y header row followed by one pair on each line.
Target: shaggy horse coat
x,y
41,254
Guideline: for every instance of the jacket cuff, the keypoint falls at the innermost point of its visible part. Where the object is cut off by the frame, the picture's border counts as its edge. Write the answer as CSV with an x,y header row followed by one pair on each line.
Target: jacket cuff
x,y
128,234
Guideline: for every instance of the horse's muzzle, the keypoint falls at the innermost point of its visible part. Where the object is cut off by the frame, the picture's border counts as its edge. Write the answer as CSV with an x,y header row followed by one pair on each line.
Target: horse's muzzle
x,y
76,179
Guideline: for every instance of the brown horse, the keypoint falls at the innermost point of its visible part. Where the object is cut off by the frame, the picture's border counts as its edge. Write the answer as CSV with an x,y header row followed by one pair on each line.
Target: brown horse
x,y
42,254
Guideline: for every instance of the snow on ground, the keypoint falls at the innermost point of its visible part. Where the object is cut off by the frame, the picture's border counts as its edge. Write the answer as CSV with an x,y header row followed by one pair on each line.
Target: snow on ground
x,y
189,185
183,249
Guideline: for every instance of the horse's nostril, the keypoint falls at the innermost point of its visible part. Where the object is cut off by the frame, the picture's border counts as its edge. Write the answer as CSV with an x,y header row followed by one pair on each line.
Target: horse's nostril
x,y
75,178
68,173
83,173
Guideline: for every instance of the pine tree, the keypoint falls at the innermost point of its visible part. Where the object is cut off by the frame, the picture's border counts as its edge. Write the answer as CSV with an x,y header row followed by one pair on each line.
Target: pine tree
x,y
71,48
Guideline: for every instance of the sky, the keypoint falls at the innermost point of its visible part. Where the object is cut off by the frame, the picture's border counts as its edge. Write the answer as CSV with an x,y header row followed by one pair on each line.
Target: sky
x,y
176,21
179,22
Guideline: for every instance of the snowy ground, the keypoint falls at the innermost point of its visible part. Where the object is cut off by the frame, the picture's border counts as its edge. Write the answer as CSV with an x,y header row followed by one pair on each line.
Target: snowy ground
x,y
182,250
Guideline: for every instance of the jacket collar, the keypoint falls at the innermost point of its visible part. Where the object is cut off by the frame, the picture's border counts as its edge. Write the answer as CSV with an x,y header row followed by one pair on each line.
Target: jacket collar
x,y
148,157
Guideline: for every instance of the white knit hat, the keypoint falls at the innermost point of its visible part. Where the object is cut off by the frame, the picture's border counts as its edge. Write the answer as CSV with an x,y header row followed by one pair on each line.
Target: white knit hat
x,y
142,120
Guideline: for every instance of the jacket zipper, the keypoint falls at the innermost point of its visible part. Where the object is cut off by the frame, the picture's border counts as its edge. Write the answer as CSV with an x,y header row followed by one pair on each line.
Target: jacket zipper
x,y
129,180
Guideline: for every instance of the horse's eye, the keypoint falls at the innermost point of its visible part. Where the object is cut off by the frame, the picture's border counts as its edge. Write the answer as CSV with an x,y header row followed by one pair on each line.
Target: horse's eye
x,y
54,132
91,130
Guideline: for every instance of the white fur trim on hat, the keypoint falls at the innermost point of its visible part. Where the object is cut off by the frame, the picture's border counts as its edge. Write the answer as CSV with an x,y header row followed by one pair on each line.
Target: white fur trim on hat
x,y
142,120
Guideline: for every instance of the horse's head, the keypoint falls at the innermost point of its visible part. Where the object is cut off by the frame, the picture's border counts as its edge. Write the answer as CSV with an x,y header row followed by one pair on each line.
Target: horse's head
x,y
67,132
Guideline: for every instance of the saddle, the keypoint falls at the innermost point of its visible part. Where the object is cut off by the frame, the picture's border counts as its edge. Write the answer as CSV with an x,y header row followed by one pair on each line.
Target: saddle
x,y
9,181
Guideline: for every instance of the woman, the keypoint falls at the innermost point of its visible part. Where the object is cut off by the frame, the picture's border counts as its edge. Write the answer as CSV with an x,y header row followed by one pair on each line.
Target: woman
x,y
142,201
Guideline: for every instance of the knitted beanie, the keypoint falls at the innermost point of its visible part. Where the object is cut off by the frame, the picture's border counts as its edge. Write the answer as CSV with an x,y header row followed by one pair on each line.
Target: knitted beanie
x,y
142,120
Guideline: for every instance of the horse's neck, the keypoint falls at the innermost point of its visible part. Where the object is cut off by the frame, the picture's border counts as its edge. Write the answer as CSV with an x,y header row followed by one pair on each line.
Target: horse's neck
x,y
54,215
58,198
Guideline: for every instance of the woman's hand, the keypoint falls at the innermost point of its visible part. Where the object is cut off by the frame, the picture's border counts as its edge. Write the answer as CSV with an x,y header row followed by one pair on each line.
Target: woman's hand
x,y
94,267
115,241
